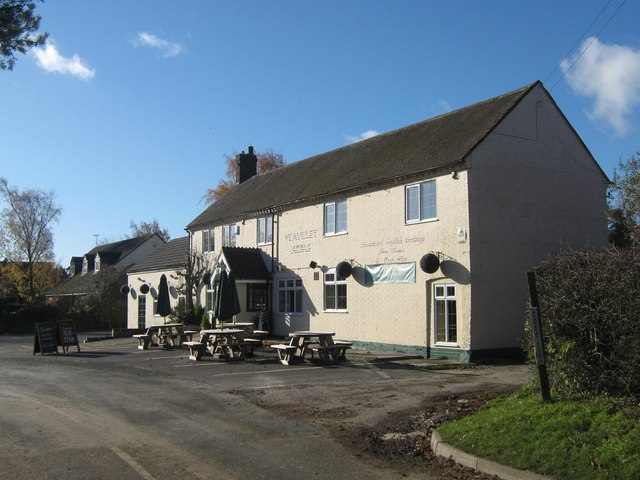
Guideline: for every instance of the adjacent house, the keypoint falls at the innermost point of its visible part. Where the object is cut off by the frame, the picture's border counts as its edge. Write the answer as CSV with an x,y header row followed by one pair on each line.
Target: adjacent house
x,y
416,240
143,280
114,257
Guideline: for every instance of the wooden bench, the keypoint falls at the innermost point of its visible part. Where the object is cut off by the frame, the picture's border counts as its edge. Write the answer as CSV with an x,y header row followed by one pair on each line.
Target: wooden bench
x,y
248,344
196,349
143,340
330,353
285,352
347,344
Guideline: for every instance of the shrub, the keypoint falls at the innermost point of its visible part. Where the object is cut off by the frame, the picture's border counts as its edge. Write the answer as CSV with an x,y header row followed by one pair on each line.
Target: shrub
x,y
590,304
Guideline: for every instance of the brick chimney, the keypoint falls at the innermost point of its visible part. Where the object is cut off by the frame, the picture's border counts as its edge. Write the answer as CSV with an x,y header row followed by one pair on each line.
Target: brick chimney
x,y
247,165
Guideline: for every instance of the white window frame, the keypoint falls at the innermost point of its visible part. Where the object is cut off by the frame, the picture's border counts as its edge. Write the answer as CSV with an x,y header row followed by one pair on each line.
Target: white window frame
x,y
96,264
209,298
291,290
445,296
419,212
333,283
208,241
265,230
85,265
229,235
334,224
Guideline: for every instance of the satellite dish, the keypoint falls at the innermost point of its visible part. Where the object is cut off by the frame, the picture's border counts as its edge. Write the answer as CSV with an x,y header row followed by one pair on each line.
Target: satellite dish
x,y
124,289
429,263
344,269
144,288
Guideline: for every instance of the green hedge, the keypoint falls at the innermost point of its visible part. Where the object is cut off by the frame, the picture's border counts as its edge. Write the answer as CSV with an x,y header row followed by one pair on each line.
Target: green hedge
x,y
590,305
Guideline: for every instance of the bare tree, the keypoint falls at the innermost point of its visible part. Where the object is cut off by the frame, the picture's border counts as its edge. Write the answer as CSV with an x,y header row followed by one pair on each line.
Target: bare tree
x,y
143,228
25,233
267,160
190,277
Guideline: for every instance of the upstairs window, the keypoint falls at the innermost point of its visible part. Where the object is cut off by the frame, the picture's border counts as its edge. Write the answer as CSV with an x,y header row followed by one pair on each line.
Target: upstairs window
x,y
265,230
335,217
97,264
208,245
420,204
229,236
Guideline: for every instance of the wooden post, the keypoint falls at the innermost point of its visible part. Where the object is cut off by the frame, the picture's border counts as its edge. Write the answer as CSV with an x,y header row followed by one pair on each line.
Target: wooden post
x,y
536,324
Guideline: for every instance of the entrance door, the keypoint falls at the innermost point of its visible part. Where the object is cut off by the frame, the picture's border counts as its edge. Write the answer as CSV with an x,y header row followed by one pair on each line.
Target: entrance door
x,y
445,314
142,311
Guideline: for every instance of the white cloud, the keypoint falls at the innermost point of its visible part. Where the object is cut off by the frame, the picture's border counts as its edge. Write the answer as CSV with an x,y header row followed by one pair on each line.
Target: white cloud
x,y
50,60
168,49
362,136
611,75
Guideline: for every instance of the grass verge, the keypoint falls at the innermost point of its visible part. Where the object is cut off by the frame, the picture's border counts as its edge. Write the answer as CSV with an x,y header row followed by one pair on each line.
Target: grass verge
x,y
567,439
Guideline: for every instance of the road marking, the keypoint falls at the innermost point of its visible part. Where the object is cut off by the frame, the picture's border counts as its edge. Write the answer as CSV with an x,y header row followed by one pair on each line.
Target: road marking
x,y
132,463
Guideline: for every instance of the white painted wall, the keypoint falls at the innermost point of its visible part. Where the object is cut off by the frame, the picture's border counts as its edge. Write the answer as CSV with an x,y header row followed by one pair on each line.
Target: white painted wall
x,y
135,281
533,191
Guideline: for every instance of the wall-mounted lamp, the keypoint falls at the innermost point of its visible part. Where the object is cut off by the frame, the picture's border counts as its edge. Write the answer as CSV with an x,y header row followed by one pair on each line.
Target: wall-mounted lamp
x,y
313,264
454,175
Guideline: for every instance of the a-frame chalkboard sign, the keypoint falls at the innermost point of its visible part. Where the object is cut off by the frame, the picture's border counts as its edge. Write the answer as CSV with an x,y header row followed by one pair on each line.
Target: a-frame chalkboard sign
x,y
67,335
45,340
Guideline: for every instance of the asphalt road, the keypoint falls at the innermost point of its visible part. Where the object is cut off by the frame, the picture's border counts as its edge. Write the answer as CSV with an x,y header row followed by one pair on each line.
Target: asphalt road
x,y
115,412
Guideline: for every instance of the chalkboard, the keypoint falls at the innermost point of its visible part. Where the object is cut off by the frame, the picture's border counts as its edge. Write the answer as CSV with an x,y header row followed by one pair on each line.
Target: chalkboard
x,y
67,336
45,338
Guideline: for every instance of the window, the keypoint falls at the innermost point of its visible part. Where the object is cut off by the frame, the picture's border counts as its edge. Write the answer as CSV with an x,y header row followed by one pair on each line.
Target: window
x,y
420,202
97,264
85,265
290,295
229,236
446,314
210,295
265,230
208,245
142,311
257,295
335,217
335,291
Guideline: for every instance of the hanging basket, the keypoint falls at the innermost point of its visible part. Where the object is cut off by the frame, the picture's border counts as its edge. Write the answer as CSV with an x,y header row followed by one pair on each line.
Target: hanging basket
x,y
124,289
144,288
344,269
429,263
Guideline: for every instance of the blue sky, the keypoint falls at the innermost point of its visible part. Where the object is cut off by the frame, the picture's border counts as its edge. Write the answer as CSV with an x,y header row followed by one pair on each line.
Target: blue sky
x,y
128,111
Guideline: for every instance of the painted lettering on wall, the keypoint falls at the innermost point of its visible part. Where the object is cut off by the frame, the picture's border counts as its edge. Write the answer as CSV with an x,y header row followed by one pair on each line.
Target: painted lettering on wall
x,y
299,238
302,235
393,250
301,248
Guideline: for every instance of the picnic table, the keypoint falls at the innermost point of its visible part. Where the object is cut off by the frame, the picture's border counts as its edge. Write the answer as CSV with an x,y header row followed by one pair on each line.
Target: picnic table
x,y
227,343
167,335
328,350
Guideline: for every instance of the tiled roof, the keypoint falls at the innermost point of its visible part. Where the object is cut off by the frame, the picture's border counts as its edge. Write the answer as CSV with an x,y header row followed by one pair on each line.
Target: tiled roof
x,y
81,284
246,263
122,248
171,255
437,143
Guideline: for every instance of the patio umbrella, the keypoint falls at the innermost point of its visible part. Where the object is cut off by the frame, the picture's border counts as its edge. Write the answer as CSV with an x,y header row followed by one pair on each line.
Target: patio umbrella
x,y
164,303
226,303
233,295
